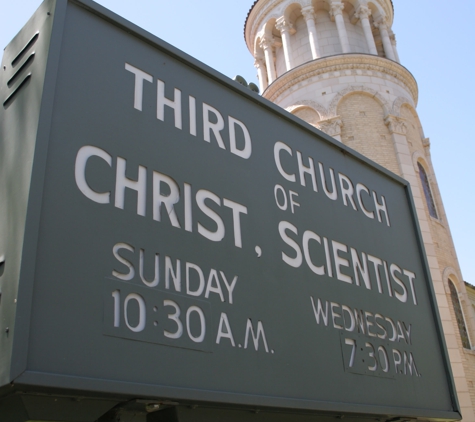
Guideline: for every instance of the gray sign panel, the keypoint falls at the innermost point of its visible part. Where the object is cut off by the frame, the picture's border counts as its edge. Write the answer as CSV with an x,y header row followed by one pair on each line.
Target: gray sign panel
x,y
169,234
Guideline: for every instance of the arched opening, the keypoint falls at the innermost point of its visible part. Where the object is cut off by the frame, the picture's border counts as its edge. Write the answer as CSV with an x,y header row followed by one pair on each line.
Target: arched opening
x,y
308,114
427,191
459,316
364,129
415,134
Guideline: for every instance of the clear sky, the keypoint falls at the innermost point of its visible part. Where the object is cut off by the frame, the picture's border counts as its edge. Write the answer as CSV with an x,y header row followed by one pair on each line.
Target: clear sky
x,y
435,43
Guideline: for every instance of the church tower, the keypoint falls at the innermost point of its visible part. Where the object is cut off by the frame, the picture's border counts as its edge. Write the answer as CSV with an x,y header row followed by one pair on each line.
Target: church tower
x,y
334,64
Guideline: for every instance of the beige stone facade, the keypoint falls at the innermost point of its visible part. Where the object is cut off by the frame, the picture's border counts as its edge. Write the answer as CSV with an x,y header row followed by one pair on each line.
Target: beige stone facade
x,y
335,64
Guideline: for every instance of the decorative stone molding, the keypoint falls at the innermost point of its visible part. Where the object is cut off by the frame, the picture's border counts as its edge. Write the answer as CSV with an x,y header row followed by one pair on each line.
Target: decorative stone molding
x,y
332,108
336,8
418,157
398,103
322,111
449,271
395,125
331,126
328,65
283,26
363,12
308,13
267,42
426,143
262,9
382,23
259,62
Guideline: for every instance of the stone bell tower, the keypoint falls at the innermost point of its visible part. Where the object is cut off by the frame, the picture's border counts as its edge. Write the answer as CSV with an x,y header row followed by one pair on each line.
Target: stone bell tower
x,y
334,63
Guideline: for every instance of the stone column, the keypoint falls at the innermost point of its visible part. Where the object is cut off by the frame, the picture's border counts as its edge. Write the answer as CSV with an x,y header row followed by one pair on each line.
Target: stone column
x,y
388,47
286,29
261,73
337,13
309,16
267,44
363,13
394,43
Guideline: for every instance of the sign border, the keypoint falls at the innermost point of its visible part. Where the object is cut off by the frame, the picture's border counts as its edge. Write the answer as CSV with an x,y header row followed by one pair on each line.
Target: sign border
x,y
19,372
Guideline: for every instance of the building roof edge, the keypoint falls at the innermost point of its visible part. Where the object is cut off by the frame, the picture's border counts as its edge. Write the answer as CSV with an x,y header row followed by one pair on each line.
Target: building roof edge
x,y
257,1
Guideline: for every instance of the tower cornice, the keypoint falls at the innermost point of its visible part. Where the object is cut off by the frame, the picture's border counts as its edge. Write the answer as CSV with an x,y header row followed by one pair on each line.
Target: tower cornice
x,y
261,8
342,62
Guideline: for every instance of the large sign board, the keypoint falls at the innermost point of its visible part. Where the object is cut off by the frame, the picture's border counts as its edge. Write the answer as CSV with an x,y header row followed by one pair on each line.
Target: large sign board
x,y
169,234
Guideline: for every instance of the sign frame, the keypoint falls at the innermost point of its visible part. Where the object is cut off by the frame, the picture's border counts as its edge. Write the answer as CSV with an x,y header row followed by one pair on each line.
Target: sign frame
x,y
16,312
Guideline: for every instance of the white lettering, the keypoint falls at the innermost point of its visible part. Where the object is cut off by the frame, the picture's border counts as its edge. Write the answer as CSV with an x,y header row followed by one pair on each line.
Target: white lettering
x,y
280,146
139,185
224,325
169,200
230,287
175,274
122,260
340,262
307,236
237,210
80,173
255,337
174,104
209,127
247,150
309,170
333,194
381,207
359,188
140,76
217,235
347,192
293,262
400,296
213,275
189,266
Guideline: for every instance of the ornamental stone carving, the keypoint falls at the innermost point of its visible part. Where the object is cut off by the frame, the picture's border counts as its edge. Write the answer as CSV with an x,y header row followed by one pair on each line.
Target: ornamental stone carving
x,y
283,25
397,104
332,108
267,43
331,126
395,125
259,62
320,109
308,13
426,145
336,9
381,23
363,12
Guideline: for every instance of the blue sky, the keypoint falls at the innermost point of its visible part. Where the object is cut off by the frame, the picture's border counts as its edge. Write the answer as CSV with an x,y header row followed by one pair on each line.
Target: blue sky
x,y
435,43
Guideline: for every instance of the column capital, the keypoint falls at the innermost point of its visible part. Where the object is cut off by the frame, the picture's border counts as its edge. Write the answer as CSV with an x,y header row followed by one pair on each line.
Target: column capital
x,y
283,26
363,12
331,126
395,124
336,8
426,144
308,12
381,23
259,62
267,42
